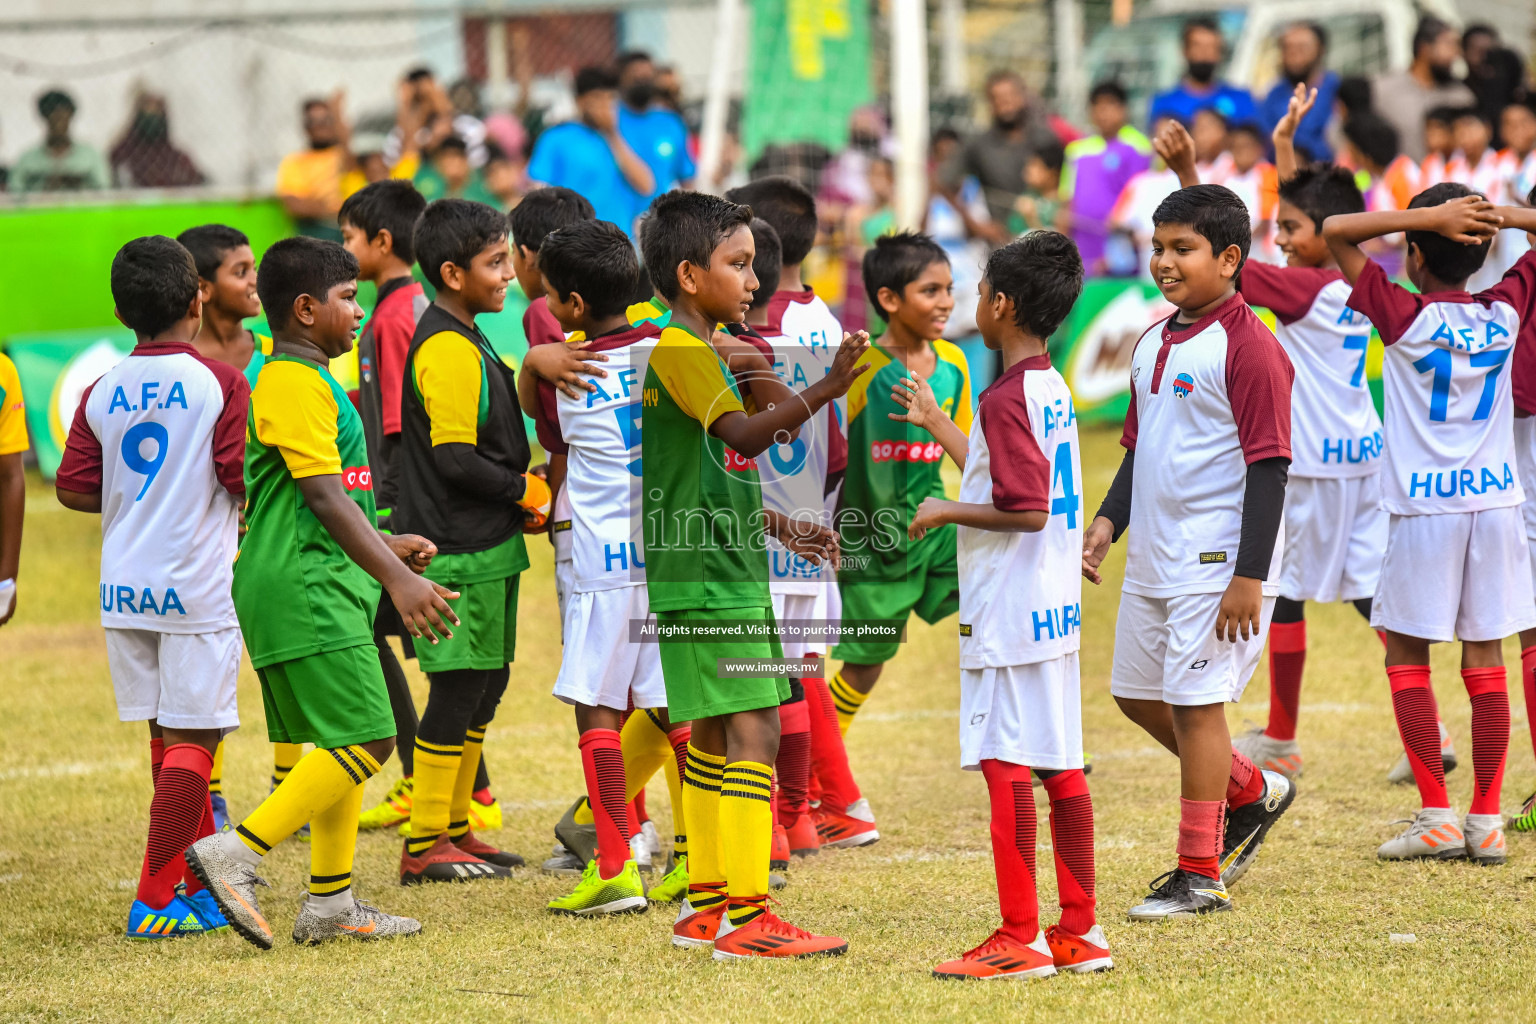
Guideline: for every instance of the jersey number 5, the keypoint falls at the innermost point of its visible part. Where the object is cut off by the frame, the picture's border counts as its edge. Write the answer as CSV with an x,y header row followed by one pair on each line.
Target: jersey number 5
x,y
133,457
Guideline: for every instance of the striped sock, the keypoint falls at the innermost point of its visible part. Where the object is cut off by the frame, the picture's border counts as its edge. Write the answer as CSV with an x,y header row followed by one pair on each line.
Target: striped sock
x,y
602,762
746,836
464,782
1489,690
1413,705
175,814
332,847
1072,844
701,805
675,766
284,757
437,770
322,776
1012,801
847,700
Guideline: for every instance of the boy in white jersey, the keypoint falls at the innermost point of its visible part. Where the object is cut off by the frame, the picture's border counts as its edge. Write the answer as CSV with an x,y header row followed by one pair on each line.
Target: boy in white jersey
x,y
1335,532
1019,519
1202,487
589,270
802,330
1455,564
157,447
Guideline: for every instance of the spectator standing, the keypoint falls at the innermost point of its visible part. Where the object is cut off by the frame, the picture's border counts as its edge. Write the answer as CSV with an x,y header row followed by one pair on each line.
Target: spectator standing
x,y
1303,51
428,115
1200,89
996,157
1404,97
1495,74
1097,168
145,157
309,181
655,132
590,157
58,163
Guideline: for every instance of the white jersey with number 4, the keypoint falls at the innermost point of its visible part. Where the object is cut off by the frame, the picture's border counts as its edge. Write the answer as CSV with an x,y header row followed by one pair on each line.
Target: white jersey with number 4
x,y
1021,593
1450,413
162,436
599,433
1335,431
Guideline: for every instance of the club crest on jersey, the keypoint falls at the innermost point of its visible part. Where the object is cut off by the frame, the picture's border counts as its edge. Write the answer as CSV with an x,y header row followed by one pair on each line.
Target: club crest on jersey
x,y
1183,384
357,478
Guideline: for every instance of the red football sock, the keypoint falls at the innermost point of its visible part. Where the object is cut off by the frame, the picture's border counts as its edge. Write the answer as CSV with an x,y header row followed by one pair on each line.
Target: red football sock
x,y
175,815
679,737
1013,847
482,797
1245,784
641,814
1489,690
793,765
1528,685
1072,843
156,758
1413,705
1200,825
1287,657
828,754
602,761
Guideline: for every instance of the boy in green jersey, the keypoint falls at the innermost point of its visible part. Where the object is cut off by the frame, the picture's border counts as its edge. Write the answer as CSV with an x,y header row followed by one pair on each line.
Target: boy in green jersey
x,y
892,467
306,587
707,567
464,485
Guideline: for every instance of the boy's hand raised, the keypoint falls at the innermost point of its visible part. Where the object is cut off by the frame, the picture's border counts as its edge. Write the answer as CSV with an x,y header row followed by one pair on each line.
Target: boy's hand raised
x,y
565,366
416,552
914,395
423,605
1470,220
1174,144
1301,103
845,365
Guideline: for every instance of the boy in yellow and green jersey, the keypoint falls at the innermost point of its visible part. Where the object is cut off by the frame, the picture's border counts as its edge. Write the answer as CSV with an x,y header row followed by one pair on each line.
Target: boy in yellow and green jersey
x,y
226,286
707,567
13,483
892,467
306,585
464,485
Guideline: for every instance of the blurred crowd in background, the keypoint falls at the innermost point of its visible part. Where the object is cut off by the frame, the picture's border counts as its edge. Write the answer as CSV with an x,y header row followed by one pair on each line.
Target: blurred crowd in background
x,y
1017,166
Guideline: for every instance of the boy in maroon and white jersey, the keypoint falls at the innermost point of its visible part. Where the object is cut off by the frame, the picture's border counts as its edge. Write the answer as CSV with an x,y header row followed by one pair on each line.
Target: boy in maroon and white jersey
x,y
1456,564
1202,487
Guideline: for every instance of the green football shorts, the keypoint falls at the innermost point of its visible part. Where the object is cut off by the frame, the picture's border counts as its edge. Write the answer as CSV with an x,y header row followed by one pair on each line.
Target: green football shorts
x,y
689,670
930,586
486,636
331,700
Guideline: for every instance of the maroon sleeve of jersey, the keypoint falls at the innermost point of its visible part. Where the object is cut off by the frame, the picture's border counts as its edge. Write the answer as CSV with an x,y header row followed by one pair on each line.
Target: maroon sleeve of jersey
x,y
1021,478
1288,292
229,429
539,325
1128,435
392,342
837,445
1390,307
1517,287
1259,376
546,421
80,468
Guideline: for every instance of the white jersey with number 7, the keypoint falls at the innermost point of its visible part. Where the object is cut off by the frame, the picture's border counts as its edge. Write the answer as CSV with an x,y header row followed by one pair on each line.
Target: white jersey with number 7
x,y
162,436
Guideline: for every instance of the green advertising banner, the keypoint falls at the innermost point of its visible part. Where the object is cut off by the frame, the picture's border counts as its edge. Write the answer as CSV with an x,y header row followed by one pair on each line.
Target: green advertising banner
x,y
807,69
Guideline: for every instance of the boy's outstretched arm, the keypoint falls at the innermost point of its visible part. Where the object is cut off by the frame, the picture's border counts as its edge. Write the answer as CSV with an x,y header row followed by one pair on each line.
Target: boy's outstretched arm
x,y
420,601
1284,135
916,396
1520,218
750,436
1469,220
561,365
935,512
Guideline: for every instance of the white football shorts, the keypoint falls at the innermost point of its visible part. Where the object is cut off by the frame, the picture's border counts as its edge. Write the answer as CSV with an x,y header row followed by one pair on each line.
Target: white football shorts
x,y
1166,649
1024,714
1335,535
1525,463
812,607
1456,576
181,680
600,666
565,581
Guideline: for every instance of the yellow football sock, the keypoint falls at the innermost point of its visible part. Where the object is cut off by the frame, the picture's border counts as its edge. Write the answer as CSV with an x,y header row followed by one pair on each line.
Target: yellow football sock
x,y
321,778
437,770
645,748
847,700
701,805
584,815
332,845
679,818
216,777
464,783
284,757
746,835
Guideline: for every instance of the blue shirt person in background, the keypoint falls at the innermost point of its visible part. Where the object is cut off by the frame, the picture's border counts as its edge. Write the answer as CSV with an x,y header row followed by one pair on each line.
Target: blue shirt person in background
x,y
1303,47
654,131
1200,88
589,155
